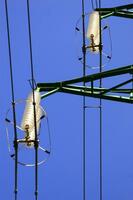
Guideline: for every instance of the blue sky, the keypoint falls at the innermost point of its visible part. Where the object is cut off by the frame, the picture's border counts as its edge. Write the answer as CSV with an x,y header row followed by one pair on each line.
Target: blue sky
x,y
55,59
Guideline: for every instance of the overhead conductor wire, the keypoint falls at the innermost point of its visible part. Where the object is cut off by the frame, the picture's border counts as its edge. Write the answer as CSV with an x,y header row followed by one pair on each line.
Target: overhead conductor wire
x,y
34,103
84,105
13,102
101,116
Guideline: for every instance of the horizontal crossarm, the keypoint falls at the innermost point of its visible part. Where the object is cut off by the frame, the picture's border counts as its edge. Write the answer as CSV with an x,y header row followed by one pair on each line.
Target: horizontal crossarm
x,y
97,95
117,8
119,11
111,93
89,78
102,90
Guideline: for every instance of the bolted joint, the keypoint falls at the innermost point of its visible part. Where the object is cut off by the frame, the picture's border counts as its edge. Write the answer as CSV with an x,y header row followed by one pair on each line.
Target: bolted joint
x,y
13,103
100,47
131,72
34,103
16,191
36,193
15,144
36,144
84,49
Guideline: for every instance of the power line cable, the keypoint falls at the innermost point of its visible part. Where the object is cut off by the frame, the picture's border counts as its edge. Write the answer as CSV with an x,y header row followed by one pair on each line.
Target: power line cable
x,y
84,103
34,103
13,102
100,112
99,3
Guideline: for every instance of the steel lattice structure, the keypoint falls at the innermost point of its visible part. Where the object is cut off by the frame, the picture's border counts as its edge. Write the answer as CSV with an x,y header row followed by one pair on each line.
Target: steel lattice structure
x,y
103,93
92,91
87,88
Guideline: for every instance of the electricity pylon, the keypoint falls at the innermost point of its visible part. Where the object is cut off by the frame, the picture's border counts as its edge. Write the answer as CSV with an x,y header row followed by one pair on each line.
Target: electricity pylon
x,y
115,92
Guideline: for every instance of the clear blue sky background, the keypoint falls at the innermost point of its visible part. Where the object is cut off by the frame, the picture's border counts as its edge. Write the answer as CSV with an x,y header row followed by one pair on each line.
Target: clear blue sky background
x,y
55,59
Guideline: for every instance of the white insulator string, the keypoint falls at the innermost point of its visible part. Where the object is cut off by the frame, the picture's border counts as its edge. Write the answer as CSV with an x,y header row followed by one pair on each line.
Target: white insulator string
x,y
28,116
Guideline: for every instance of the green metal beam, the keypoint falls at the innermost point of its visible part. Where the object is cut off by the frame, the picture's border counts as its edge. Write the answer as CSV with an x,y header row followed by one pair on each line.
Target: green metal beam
x,y
49,93
99,96
96,92
117,8
95,89
128,15
120,11
91,91
117,86
89,78
102,90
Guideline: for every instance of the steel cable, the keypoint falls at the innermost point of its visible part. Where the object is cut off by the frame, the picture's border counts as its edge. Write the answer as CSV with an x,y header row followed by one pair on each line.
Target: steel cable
x,y
13,101
100,113
34,104
84,103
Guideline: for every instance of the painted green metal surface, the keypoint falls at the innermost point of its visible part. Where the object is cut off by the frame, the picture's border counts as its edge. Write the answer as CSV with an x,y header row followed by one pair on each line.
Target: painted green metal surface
x,y
120,11
88,78
110,93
